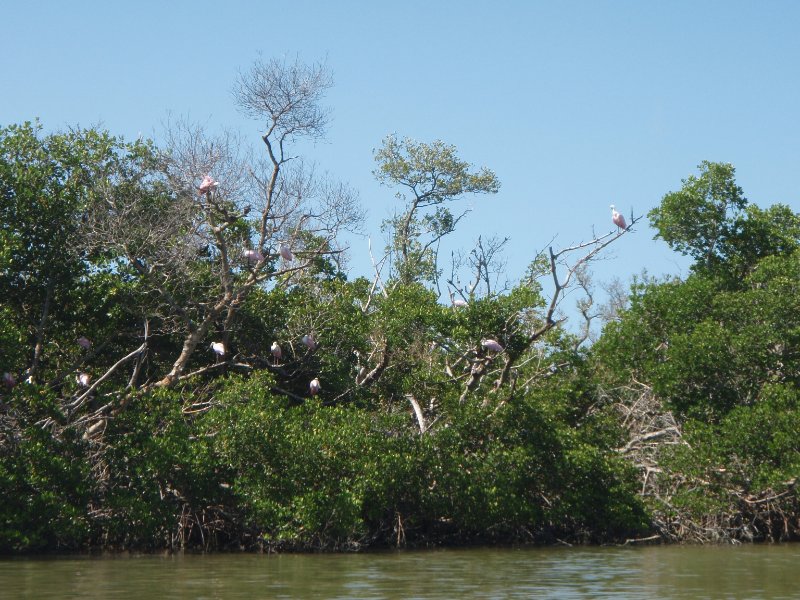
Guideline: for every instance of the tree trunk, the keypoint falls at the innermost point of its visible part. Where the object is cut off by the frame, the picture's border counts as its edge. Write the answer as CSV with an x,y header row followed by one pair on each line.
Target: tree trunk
x,y
189,346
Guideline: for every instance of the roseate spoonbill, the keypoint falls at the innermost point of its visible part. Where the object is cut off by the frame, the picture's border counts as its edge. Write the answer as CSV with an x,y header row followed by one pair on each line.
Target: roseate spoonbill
x,y
276,351
314,387
207,184
218,348
253,256
309,341
84,343
617,218
286,252
83,379
9,380
492,345
457,302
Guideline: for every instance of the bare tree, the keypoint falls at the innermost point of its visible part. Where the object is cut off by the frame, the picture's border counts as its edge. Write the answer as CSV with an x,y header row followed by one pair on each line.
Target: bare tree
x,y
617,300
485,265
259,220
564,269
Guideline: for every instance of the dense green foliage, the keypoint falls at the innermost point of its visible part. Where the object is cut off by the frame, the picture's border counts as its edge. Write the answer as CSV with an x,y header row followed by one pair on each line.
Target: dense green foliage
x,y
422,434
721,350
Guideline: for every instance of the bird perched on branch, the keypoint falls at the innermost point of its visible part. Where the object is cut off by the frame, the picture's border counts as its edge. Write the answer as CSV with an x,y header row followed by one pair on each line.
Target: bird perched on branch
x,y
286,252
218,348
309,341
314,387
617,218
84,343
457,302
253,256
208,184
492,345
276,351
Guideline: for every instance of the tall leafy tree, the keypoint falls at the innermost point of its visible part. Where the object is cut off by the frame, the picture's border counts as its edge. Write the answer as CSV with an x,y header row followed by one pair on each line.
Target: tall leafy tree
x,y
47,184
430,177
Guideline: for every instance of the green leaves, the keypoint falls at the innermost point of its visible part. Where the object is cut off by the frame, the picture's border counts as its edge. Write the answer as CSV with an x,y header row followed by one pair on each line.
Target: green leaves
x,y
432,172
428,175
699,219
710,220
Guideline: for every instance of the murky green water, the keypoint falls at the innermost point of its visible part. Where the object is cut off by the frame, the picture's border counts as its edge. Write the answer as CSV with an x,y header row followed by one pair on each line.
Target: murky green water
x,y
656,572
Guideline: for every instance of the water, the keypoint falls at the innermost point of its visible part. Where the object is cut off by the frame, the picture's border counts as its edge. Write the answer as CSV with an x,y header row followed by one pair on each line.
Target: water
x,y
564,573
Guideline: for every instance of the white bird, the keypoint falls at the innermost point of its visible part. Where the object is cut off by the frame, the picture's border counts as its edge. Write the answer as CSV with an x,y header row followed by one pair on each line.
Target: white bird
x,y
309,341
218,348
457,302
492,345
617,218
276,351
207,185
286,252
84,343
253,256
83,379
314,387
9,380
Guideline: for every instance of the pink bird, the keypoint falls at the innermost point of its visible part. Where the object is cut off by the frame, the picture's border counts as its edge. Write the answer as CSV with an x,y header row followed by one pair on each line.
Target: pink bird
x,y
286,252
617,218
9,380
207,184
253,256
492,345
84,343
83,379
457,302
276,351
218,348
314,387
309,341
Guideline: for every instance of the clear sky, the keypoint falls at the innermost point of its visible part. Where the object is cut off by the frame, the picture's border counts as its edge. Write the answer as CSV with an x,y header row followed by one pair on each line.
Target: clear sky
x,y
575,105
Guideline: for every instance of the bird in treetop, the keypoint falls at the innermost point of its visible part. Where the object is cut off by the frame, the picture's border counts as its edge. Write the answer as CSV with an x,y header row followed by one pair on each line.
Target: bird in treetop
x,y
83,379
309,341
617,218
457,302
218,348
276,351
492,345
253,256
286,252
84,342
314,386
207,184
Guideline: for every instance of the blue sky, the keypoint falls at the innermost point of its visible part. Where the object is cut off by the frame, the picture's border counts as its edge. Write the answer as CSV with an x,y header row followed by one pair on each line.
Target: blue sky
x,y
575,105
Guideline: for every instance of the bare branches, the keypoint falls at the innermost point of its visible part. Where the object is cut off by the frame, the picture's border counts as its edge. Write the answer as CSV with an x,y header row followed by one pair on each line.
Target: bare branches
x,y
585,304
485,265
201,251
79,401
563,271
287,97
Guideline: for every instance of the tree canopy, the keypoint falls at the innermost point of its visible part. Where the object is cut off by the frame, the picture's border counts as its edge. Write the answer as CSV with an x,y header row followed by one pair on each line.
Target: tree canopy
x,y
468,416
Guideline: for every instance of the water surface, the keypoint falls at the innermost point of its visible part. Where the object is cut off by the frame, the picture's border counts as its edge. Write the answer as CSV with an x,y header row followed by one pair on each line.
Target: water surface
x,y
653,572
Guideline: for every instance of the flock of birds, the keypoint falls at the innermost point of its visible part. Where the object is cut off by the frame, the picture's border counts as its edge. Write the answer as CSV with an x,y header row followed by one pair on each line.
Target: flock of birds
x,y
253,257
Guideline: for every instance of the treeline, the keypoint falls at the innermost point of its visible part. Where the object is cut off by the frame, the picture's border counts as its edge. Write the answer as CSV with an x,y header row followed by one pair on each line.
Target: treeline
x,y
187,364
